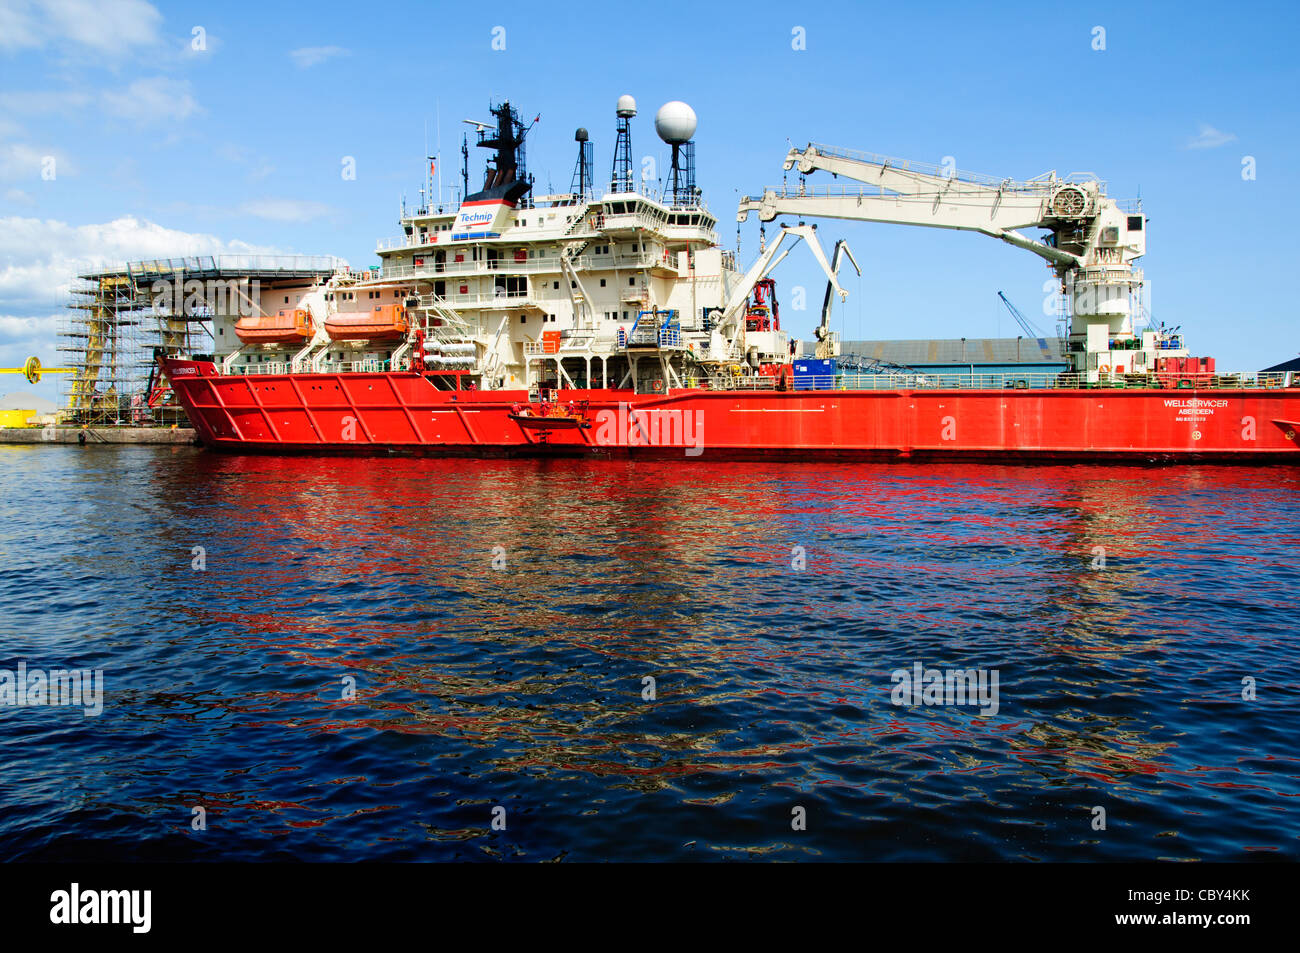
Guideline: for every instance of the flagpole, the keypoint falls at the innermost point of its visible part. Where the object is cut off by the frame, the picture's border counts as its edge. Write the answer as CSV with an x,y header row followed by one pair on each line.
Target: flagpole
x,y
437,105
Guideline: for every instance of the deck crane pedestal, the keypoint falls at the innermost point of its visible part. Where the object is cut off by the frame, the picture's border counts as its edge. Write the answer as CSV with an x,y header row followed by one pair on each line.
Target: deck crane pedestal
x,y
1092,243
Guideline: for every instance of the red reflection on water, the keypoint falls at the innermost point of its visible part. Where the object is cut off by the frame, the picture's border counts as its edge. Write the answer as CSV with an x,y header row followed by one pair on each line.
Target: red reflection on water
x,y
318,548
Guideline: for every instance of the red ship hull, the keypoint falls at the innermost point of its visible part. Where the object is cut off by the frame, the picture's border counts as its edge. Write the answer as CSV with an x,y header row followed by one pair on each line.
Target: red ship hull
x,y
405,412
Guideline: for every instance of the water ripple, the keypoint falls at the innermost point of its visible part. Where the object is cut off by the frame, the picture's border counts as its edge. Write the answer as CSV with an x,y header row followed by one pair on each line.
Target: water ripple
x,y
1121,608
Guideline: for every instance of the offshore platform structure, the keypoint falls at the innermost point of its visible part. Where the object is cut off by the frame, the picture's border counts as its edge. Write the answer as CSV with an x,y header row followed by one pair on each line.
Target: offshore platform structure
x,y
121,319
1091,245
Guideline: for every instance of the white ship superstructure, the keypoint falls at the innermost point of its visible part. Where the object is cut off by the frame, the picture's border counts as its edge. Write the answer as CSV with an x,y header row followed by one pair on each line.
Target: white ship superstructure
x,y
626,287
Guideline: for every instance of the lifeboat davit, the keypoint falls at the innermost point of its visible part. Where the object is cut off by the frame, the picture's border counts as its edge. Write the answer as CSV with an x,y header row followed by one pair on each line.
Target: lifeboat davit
x,y
289,326
381,322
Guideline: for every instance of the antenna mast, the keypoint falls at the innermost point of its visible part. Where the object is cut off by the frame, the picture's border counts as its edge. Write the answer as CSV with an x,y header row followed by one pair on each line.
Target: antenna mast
x,y
621,177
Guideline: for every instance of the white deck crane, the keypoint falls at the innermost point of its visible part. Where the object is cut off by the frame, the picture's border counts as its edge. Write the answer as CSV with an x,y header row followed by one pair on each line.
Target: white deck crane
x,y
828,342
1092,244
770,345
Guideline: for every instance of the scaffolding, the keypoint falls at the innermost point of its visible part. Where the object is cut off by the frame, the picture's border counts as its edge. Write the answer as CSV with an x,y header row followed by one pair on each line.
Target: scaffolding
x,y
119,321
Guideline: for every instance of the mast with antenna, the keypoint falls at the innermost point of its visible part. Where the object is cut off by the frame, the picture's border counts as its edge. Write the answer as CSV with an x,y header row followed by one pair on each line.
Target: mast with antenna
x,y
620,179
464,166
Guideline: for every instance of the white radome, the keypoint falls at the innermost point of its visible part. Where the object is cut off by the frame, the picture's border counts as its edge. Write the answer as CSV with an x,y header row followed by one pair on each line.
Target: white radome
x,y
675,122
626,106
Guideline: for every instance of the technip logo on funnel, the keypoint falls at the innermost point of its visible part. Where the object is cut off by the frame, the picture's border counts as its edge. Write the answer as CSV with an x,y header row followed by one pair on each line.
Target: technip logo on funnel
x,y
480,216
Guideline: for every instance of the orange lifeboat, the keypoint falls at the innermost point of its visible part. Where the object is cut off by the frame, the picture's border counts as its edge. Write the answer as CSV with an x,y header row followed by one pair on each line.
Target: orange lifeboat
x,y
380,322
289,326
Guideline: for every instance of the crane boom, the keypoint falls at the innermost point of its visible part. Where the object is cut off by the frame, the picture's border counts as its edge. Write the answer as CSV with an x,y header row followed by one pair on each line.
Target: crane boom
x,y
1091,245
988,212
1025,324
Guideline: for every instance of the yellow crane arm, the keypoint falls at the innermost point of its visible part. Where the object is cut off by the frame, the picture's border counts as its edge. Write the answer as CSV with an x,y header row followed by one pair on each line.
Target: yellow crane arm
x,y
32,370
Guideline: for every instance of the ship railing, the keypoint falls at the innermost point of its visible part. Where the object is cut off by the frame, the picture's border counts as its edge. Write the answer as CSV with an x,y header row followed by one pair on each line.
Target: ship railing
x,y
557,348
640,189
504,299
270,367
861,190
1164,381
1037,183
908,165
369,366
541,264
366,366
157,267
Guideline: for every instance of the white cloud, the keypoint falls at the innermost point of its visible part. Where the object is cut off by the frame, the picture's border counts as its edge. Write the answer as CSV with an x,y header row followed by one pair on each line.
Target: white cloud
x,y
21,161
18,160
257,165
19,197
157,99
45,101
42,257
18,26
309,56
284,210
24,329
1210,138
111,27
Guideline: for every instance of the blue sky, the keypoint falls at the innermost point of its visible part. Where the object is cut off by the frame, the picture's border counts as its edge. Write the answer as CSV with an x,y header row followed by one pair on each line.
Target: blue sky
x,y
161,147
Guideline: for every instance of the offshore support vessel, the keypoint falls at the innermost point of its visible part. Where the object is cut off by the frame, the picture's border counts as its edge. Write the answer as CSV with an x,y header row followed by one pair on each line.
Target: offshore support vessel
x,y
613,322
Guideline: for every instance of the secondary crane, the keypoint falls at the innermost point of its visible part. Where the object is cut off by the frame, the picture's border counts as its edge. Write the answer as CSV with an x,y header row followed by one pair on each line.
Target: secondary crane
x,y
828,343
774,343
1091,245
767,261
1031,329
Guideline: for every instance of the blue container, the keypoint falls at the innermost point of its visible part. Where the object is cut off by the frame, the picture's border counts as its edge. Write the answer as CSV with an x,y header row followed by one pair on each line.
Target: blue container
x,y
814,375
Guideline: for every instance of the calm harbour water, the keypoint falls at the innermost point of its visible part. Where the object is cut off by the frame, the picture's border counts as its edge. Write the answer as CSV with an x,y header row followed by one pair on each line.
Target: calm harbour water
x,y
522,688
